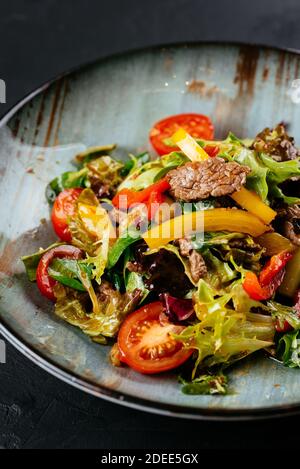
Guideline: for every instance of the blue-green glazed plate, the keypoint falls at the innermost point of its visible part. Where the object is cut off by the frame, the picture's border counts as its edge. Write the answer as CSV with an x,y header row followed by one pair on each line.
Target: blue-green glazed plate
x,y
243,89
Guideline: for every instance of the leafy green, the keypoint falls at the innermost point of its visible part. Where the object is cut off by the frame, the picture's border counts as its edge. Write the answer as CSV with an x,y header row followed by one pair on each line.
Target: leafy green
x,y
72,306
276,142
205,384
70,272
92,153
183,260
95,172
118,248
219,272
66,180
224,335
104,171
143,176
283,313
257,179
31,262
90,228
289,349
266,173
134,162
278,173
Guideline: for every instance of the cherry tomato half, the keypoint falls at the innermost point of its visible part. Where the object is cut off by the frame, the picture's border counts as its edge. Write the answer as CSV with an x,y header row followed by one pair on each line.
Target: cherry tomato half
x,y
43,280
197,125
63,209
146,344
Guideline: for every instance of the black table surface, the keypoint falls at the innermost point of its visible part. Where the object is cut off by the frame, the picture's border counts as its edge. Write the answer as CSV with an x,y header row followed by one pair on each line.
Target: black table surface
x,y
38,41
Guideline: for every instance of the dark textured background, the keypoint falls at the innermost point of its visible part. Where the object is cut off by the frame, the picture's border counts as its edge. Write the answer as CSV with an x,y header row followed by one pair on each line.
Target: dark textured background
x,y
39,40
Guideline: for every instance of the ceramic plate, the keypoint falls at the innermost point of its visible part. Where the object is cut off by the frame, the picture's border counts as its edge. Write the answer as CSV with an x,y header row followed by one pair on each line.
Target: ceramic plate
x,y
117,100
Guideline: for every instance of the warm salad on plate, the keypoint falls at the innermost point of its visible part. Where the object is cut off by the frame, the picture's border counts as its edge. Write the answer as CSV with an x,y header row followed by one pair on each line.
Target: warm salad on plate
x,y
189,260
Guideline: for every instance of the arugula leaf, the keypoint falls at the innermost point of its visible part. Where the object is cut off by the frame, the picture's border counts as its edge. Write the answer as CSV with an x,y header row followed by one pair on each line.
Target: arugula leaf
x,y
32,260
134,162
69,272
205,384
143,176
118,248
289,349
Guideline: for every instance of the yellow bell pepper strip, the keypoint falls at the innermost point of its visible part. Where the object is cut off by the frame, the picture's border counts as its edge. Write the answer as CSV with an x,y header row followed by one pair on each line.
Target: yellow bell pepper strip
x,y
217,219
253,203
245,198
189,146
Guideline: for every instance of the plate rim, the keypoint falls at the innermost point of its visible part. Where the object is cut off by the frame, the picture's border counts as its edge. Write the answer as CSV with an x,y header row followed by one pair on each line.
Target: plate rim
x,y
101,391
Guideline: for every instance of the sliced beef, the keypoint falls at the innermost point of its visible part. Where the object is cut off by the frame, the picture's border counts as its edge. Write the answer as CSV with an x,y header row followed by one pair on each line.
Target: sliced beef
x,y
197,263
125,303
277,143
290,222
198,267
212,177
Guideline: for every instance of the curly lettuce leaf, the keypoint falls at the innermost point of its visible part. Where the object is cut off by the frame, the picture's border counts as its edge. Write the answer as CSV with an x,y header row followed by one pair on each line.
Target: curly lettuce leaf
x,y
72,307
104,171
95,172
91,230
223,334
282,313
219,273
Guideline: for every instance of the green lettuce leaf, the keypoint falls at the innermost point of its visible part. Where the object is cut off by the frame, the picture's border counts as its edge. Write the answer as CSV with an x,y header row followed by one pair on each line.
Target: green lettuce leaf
x,y
32,260
67,180
96,170
90,228
283,313
92,153
205,384
278,173
72,307
223,334
257,179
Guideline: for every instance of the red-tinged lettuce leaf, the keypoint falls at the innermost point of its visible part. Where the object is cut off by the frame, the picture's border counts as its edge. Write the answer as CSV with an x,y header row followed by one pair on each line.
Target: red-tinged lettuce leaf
x,y
177,309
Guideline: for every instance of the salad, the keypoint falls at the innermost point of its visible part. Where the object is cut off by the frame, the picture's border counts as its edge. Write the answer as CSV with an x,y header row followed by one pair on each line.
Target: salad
x,y
189,260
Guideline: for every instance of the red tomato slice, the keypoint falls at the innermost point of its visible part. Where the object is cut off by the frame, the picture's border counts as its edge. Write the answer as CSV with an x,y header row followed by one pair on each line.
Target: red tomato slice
x,y
197,125
44,281
146,344
63,209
